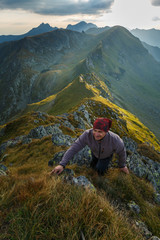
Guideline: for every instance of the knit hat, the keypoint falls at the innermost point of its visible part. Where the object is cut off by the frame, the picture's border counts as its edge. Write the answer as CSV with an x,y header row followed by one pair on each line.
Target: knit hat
x,y
103,124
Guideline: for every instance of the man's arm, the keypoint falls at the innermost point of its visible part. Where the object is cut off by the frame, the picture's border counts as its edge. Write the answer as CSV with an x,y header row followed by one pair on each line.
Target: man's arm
x,y
76,147
121,151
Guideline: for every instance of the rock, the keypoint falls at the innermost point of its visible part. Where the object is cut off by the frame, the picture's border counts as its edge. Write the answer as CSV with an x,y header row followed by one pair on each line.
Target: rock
x,y
157,198
53,129
68,172
143,228
62,140
3,168
83,181
10,143
36,121
80,181
83,157
83,110
68,124
56,159
38,132
2,173
41,115
154,238
134,207
4,157
130,144
26,140
136,165
80,121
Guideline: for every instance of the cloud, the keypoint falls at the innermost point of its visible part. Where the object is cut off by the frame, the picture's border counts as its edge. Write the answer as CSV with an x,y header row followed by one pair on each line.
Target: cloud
x,y
59,7
155,2
156,19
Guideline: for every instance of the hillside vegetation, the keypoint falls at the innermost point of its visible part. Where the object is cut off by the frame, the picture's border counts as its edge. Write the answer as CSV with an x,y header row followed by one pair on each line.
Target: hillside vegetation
x,y
34,205
37,67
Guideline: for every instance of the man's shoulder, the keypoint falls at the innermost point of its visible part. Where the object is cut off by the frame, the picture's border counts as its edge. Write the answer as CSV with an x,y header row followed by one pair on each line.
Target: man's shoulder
x,y
113,135
87,133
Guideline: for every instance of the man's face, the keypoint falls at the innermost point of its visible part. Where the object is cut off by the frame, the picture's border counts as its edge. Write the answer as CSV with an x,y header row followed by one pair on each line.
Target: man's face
x,y
98,134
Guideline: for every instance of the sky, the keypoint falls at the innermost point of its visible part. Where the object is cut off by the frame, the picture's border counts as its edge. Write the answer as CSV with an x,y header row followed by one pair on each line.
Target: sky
x,y
20,16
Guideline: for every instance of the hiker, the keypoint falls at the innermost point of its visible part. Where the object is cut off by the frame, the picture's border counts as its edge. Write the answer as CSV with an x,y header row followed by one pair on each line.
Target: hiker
x,y
102,142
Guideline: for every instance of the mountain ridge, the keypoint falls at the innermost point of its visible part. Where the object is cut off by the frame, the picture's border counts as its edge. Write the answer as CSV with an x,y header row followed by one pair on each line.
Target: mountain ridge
x,y
111,55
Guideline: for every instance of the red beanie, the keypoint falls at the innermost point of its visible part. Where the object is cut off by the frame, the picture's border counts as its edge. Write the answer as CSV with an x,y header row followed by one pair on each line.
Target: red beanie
x,y
103,124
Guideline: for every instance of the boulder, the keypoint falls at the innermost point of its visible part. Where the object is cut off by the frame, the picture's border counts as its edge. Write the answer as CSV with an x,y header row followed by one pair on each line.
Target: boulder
x,y
144,230
62,140
37,133
134,207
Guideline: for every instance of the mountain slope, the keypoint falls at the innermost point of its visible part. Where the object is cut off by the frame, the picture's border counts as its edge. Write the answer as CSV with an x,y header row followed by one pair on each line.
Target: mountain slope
x,y
31,198
42,28
40,66
30,69
154,51
151,36
131,73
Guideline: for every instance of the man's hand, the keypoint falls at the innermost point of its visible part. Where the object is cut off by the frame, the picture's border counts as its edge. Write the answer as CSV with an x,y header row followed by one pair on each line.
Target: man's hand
x,y
57,170
125,170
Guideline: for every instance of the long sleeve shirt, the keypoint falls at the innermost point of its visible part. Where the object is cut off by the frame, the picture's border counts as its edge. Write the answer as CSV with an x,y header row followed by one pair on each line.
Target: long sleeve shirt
x,y
110,144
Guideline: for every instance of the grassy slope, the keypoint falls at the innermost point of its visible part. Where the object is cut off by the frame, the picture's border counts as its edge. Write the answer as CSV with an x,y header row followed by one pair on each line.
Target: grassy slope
x,y
35,206
121,60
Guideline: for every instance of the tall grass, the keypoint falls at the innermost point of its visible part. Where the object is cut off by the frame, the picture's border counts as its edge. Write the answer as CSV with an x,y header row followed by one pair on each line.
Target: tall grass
x,y
48,208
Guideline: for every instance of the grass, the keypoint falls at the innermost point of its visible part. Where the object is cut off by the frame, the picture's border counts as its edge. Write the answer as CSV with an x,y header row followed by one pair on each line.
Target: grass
x,y
47,208
34,205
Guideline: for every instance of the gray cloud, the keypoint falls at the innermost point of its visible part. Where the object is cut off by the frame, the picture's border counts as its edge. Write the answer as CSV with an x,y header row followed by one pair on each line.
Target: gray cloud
x,y
155,2
156,19
59,7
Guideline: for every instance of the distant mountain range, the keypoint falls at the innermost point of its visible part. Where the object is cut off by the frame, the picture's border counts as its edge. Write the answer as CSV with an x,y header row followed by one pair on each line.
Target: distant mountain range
x,y
81,26
150,36
38,68
42,28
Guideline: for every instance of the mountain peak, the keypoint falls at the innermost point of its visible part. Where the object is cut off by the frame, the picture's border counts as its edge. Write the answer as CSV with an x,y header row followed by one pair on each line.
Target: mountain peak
x,y
81,26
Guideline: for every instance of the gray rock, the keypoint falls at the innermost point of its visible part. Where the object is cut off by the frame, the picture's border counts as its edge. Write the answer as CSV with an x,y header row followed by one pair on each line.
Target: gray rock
x,y
83,110
154,238
83,157
4,158
62,140
134,207
3,167
10,143
83,181
130,144
137,166
157,198
37,133
81,123
144,230
56,159
26,140
80,181
53,129
2,173
68,124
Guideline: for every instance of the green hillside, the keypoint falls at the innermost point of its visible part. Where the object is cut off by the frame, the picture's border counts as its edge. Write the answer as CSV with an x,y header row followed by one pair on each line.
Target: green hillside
x,y
35,205
130,72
